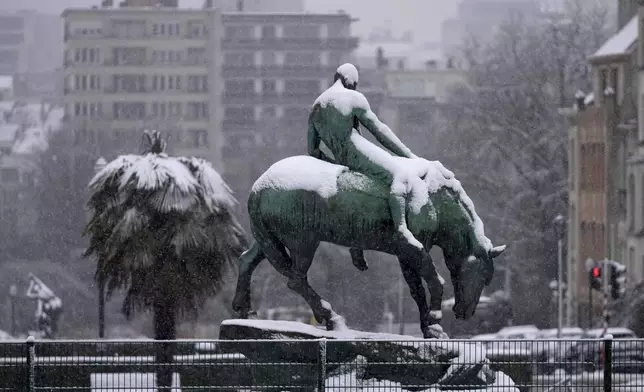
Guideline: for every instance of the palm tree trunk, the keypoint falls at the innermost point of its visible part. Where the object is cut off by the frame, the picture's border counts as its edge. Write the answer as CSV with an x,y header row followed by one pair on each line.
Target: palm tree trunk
x,y
164,329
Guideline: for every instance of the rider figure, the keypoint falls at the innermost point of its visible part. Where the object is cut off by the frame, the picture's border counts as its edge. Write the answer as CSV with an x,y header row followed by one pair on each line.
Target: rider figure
x,y
334,120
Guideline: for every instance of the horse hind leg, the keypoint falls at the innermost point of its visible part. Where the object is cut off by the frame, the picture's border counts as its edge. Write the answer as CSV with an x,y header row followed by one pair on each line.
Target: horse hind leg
x,y
298,282
248,262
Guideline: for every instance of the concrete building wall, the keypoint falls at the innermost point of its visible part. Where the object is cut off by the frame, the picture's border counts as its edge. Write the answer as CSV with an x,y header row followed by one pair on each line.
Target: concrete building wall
x,y
130,69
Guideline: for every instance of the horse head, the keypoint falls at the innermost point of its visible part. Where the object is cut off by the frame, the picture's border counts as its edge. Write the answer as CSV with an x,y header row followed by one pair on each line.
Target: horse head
x,y
469,277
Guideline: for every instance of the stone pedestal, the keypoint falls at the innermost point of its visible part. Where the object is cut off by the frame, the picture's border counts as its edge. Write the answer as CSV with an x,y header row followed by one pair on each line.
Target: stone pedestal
x,y
295,355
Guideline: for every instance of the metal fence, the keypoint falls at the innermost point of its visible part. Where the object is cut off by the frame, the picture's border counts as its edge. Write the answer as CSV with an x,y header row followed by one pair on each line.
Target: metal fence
x,y
323,365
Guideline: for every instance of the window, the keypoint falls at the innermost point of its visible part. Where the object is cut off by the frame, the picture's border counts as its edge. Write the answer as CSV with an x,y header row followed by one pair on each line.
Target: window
x,y
269,87
128,28
196,29
301,31
12,23
166,83
269,58
614,79
11,39
129,56
197,83
302,58
87,55
129,110
166,109
603,80
239,59
239,32
130,83
296,113
198,138
166,57
269,112
269,32
240,86
301,86
196,56
197,110
240,115
166,29
631,202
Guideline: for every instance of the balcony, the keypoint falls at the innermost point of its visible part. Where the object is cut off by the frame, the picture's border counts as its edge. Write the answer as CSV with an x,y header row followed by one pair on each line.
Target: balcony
x,y
348,43
254,98
278,71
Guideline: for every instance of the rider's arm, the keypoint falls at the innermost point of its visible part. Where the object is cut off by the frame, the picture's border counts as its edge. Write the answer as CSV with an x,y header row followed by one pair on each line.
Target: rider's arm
x,y
314,144
381,131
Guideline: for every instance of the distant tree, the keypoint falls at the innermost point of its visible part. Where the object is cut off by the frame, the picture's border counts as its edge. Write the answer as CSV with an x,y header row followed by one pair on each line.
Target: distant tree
x,y
162,228
504,137
65,170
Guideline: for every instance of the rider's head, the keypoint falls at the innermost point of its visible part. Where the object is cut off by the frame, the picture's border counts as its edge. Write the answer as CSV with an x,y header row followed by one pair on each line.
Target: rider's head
x,y
348,74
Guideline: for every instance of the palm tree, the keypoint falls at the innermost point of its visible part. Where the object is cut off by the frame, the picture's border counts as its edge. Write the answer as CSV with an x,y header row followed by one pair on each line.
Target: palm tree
x,y
162,229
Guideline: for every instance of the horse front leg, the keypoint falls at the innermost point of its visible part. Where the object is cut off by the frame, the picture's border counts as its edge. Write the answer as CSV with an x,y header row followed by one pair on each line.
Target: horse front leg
x,y
435,285
411,273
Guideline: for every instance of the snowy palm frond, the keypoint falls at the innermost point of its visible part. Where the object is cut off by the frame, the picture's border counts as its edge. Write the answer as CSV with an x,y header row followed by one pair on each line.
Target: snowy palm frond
x,y
162,226
216,190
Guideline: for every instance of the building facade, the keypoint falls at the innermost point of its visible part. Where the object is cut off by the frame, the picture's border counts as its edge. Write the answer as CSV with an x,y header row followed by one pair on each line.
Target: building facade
x,y
602,144
30,42
129,69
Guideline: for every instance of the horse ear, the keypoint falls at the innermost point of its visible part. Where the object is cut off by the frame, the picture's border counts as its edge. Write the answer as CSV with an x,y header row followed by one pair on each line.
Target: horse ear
x,y
496,251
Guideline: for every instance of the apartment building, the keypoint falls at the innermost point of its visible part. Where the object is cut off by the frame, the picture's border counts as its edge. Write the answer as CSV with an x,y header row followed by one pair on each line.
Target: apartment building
x,y
128,69
30,42
274,67
603,206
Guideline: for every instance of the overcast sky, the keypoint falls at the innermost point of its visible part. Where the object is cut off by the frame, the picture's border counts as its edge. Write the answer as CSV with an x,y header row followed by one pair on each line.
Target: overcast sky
x,y
424,17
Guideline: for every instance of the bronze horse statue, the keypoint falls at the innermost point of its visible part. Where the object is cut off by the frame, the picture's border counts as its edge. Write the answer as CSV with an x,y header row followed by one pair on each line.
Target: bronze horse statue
x,y
301,201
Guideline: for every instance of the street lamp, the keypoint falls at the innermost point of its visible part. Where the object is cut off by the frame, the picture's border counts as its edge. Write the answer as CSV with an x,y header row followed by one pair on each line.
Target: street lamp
x,y
98,166
559,223
13,292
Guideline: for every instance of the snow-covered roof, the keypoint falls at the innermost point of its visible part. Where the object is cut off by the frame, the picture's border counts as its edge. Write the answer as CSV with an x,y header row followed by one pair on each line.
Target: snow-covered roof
x,y
619,43
6,82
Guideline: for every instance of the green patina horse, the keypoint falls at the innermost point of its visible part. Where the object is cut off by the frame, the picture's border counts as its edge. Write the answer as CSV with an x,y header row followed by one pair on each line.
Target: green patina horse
x,y
302,201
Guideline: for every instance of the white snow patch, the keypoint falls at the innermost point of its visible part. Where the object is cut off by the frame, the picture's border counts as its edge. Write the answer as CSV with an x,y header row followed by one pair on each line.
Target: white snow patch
x,y
297,327
301,172
620,42
349,72
128,382
343,99
437,314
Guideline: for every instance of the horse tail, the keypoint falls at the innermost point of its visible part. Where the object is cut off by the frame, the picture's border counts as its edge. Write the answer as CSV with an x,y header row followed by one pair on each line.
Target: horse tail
x,y
269,244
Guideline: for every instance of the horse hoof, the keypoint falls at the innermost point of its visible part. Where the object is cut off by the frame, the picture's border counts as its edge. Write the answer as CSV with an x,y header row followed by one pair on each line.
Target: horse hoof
x,y
434,331
246,314
336,323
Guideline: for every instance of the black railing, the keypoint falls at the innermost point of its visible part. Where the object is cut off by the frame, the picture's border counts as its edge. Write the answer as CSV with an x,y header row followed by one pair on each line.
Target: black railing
x,y
310,365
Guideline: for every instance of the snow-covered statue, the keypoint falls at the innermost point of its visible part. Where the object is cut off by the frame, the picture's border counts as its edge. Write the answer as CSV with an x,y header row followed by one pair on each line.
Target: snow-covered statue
x,y
365,198
48,307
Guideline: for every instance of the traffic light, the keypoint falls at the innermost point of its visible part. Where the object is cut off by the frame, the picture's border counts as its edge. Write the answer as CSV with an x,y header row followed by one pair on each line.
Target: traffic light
x,y
595,277
618,280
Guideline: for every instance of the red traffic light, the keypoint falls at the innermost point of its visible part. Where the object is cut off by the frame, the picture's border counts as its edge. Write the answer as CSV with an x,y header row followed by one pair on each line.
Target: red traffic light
x,y
596,272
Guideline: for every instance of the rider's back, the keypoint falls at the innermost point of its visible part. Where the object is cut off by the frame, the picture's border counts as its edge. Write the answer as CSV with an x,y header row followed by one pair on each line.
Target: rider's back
x,y
334,117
